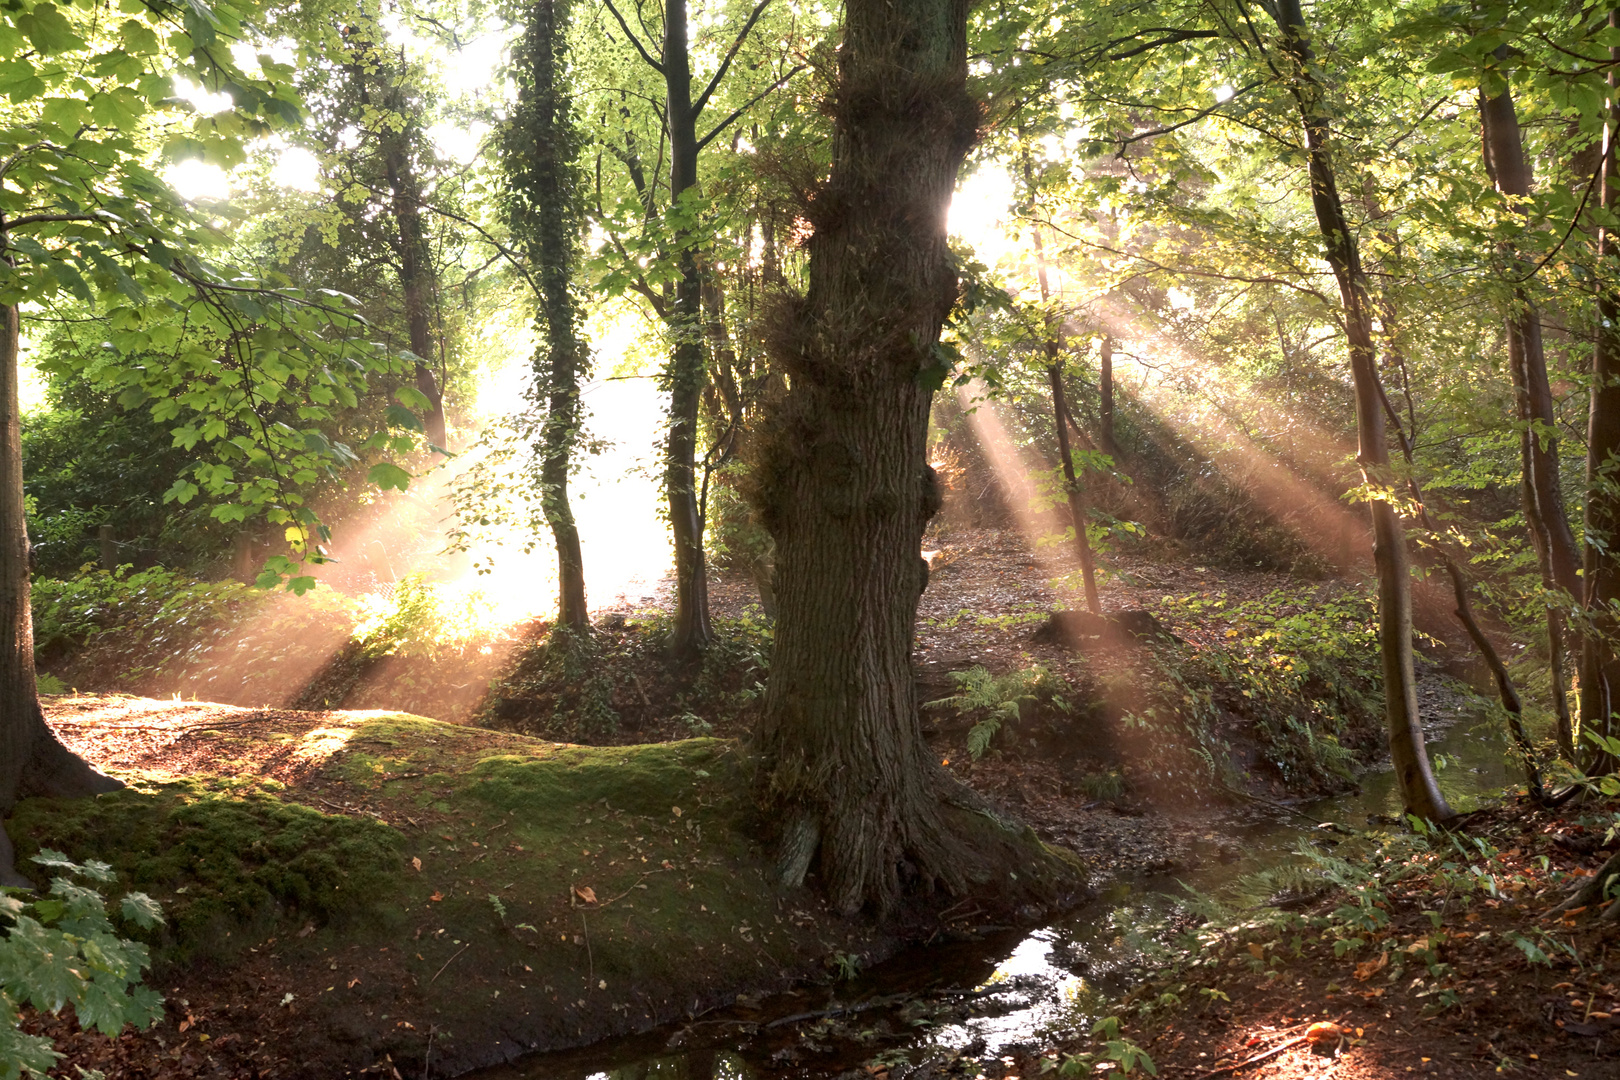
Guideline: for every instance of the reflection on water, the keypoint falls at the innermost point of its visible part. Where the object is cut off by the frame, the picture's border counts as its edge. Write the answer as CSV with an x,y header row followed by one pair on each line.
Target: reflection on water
x,y
1005,990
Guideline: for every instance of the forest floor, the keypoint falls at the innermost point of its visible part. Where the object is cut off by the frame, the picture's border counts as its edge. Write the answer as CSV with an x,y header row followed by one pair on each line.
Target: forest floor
x,y
988,593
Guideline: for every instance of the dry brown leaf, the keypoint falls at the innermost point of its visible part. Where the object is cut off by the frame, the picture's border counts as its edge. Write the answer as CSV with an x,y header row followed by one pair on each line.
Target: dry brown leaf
x,y
1324,1032
1368,968
585,893
1257,951
416,864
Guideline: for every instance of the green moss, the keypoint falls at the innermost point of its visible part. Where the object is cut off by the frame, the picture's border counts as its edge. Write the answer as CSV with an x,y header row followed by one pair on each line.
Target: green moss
x,y
222,862
520,889
645,780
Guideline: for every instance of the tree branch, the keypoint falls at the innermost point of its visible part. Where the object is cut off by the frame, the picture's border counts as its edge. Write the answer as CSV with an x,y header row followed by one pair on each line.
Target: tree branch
x,y
738,112
640,48
725,63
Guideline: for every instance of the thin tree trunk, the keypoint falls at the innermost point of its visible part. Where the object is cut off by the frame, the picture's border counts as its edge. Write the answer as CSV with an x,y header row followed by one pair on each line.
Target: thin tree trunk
x,y
1600,669
32,760
1105,398
1078,514
1419,792
684,374
540,160
416,277
845,489
1545,514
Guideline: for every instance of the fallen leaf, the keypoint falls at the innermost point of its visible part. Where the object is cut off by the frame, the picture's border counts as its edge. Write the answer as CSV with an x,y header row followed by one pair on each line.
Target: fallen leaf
x,y
1257,951
668,865
585,893
1368,968
353,983
675,810
1323,1032
436,897
416,864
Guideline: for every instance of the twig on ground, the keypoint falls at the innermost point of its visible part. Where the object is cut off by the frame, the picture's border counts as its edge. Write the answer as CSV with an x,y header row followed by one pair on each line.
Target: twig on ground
x,y
450,961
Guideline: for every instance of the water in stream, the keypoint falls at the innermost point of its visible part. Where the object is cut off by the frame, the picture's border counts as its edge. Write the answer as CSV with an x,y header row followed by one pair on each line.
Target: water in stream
x,y
1007,988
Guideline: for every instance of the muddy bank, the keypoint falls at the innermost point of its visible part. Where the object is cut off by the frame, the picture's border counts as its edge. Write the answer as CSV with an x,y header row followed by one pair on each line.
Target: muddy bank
x,y
375,891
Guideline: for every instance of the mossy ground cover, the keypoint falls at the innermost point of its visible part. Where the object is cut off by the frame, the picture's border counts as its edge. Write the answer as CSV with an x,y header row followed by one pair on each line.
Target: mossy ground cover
x,y
352,891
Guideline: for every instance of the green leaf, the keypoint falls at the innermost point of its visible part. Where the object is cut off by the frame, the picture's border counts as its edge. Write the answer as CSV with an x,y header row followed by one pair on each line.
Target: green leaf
x,y
401,417
141,910
386,475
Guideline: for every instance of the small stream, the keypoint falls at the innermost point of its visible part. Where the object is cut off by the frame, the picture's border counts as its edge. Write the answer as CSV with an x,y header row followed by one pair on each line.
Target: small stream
x,y
1002,990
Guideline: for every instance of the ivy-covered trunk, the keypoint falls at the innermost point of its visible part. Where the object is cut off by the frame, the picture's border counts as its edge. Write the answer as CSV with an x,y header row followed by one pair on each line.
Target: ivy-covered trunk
x,y
539,153
32,760
1406,747
845,489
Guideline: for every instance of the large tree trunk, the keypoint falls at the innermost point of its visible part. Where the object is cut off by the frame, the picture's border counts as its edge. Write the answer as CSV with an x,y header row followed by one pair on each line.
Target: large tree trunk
x,y
684,374
1600,668
1416,782
845,489
1545,514
540,162
32,760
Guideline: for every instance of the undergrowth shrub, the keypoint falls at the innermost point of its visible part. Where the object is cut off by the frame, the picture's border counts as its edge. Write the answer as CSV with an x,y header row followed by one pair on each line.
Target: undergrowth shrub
x,y
157,632
997,701
1300,665
622,685
63,949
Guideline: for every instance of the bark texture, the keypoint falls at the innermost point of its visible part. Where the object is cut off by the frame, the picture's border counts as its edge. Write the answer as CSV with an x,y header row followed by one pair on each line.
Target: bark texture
x,y
845,490
1416,782
1600,668
684,374
540,149
1544,511
32,760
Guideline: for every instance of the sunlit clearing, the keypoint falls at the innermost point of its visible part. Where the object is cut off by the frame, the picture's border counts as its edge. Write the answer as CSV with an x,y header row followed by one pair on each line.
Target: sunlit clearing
x,y
195,180
1014,472
298,169
1285,489
471,68
979,211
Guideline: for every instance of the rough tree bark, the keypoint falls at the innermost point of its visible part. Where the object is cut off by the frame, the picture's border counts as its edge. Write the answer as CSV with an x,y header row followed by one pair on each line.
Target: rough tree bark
x,y
845,489
1544,510
1416,782
32,760
539,152
1600,667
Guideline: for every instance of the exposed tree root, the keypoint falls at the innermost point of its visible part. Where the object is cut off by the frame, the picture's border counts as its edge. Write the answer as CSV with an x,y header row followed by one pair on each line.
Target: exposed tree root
x,y
1592,891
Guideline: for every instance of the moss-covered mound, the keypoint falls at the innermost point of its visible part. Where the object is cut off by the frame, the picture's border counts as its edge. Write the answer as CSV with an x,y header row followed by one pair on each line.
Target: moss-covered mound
x,y
349,891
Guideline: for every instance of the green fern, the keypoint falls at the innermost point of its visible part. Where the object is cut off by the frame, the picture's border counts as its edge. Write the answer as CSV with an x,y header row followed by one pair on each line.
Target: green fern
x,y
999,697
